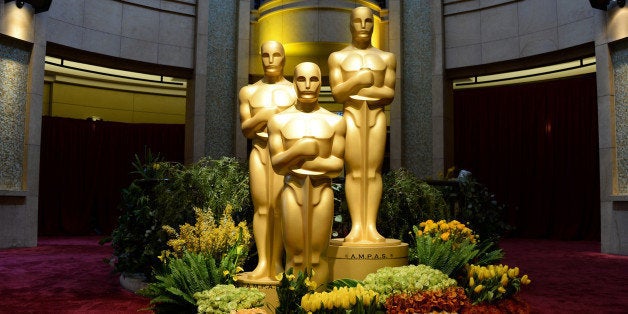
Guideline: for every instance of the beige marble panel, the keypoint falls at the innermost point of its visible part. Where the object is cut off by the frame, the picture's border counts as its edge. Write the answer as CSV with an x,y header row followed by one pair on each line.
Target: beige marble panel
x,y
201,54
149,3
461,6
606,122
298,26
610,243
500,50
136,49
175,56
140,23
463,56
244,20
32,170
463,30
104,16
576,33
182,8
334,26
101,42
70,11
499,23
64,33
538,42
177,30
618,24
243,59
604,74
570,11
536,15
34,121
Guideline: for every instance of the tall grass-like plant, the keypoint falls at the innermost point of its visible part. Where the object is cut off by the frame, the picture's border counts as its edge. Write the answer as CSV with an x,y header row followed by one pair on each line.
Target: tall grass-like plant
x,y
405,195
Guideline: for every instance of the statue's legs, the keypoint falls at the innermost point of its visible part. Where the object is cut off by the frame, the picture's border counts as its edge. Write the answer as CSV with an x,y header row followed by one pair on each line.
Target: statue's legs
x,y
308,210
292,223
364,155
266,230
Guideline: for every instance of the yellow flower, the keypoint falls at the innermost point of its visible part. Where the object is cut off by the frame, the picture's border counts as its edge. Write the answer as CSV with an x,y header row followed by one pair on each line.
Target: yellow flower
x,y
311,284
478,289
525,280
501,290
471,282
504,280
445,236
225,273
279,276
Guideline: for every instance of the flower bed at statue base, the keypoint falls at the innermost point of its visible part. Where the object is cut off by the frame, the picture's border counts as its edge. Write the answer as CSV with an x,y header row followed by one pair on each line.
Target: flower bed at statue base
x,y
514,305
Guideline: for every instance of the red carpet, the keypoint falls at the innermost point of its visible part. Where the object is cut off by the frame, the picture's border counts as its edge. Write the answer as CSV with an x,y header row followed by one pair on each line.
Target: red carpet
x,y
67,275
63,275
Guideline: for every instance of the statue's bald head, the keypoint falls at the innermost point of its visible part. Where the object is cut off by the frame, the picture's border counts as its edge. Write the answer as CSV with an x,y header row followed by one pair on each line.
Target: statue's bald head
x,y
361,23
273,57
307,81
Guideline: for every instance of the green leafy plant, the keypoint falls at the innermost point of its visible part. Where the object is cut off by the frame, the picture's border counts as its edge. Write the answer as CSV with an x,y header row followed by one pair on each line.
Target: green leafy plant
x,y
388,281
181,278
405,195
474,204
165,194
227,298
291,289
449,246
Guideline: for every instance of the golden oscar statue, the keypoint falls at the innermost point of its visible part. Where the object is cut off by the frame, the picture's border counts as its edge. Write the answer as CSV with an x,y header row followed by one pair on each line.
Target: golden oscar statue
x,y
307,145
258,103
362,78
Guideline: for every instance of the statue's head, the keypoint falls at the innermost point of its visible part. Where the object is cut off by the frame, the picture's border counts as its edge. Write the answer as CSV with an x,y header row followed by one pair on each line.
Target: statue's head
x,y
361,23
307,81
273,58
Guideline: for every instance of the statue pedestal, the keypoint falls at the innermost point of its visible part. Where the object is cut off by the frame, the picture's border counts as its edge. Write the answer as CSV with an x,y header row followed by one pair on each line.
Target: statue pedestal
x,y
268,287
356,260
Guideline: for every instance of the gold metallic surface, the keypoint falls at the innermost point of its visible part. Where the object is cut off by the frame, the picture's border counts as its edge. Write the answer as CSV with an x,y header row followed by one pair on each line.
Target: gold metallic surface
x,y
306,145
362,77
357,261
258,103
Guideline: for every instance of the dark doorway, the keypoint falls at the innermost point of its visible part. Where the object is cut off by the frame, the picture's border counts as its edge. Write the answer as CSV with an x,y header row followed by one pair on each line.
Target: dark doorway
x,y
84,166
536,147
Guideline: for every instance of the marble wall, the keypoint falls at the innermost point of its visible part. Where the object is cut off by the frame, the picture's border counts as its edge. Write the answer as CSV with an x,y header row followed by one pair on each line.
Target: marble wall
x,y
619,57
13,97
154,31
486,31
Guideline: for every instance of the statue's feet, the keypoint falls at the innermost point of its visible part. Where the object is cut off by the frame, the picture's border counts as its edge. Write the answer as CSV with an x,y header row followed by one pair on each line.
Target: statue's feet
x,y
355,235
260,272
373,236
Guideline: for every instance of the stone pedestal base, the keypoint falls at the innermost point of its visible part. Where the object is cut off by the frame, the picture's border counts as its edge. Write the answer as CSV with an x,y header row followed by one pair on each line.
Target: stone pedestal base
x,y
268,287
356,260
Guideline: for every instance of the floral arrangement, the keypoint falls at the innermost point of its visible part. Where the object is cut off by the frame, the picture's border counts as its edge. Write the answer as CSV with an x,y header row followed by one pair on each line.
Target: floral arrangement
x,y
493,282
205,236
292,288
449,300
341,300
227,298
389,281
449,246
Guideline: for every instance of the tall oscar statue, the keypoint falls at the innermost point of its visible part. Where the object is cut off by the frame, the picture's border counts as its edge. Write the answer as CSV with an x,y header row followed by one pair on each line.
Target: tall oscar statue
x,y
362,78
307,145
258,103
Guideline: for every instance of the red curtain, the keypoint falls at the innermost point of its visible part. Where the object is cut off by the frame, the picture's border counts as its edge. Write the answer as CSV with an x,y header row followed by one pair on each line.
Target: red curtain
x,y
536,147
84,166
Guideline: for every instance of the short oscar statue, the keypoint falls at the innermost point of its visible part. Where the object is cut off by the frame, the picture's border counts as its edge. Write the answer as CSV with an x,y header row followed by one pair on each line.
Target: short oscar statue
x,y
362,78
307,145
258,103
